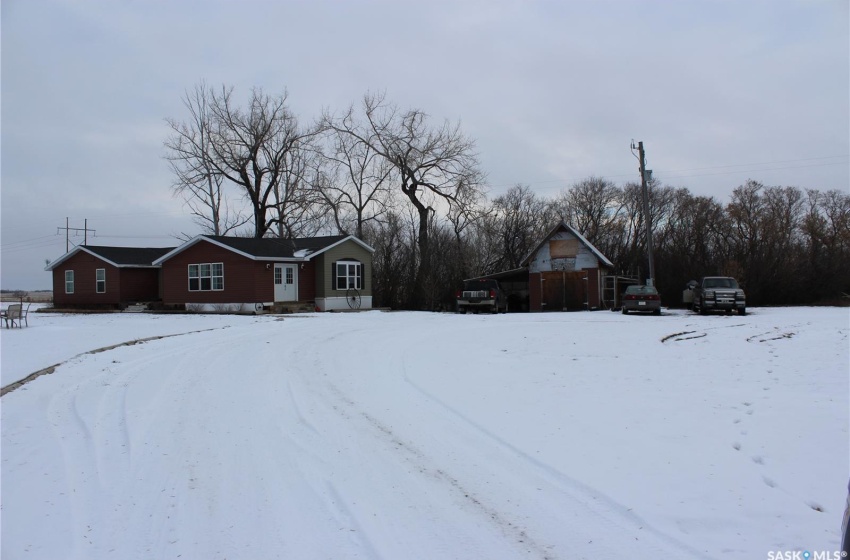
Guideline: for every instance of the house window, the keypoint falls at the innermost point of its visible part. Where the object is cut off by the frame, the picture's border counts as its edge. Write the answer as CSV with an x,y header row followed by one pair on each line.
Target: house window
x,y
205,277
69,281
100,280
349,274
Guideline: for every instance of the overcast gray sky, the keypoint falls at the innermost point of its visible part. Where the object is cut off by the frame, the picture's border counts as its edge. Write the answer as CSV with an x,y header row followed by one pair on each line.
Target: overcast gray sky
x,y
552,92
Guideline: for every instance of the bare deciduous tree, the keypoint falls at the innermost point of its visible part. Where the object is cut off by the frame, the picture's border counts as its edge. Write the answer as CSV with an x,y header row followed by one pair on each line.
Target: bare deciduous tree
x,y
196,178
249,148
522,219
358,189
430,163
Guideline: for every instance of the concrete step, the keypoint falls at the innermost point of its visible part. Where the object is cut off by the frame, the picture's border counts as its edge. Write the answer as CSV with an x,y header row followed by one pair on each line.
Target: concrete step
x,y
294,307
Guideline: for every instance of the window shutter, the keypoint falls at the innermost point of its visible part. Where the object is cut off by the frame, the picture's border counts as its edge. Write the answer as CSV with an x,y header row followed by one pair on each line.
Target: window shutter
x,y
333,275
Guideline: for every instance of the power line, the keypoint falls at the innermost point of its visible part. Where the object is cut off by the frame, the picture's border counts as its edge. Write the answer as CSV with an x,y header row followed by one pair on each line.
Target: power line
x,y
755,170
33,245
11,244
767,163
684,173
108,236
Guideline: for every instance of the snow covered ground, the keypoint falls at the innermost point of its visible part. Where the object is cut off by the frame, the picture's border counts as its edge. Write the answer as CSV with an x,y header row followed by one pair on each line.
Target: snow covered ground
x,y
426,436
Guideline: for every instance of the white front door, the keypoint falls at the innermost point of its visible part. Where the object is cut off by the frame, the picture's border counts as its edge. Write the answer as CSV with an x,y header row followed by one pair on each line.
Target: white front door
x,y
285,282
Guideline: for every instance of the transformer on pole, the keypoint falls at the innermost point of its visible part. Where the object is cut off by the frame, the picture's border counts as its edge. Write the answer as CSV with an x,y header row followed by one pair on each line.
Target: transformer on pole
x,y
645,177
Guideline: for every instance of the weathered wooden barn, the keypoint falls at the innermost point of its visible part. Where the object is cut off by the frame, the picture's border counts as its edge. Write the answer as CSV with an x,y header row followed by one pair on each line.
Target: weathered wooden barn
x,y
564,272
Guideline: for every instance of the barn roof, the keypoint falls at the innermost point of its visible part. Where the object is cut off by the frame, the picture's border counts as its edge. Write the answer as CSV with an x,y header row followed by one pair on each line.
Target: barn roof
x,y
121,257
566,227
271,249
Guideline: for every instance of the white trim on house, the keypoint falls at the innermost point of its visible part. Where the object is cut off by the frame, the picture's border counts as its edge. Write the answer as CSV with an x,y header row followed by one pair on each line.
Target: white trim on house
x,y
340,303
79,248
195,240
241,308
72,282
98,281
53,265
301,255
340,242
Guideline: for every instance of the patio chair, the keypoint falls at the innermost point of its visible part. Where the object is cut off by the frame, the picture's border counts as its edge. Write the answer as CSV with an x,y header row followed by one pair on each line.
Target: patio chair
x,y
24,313
13,313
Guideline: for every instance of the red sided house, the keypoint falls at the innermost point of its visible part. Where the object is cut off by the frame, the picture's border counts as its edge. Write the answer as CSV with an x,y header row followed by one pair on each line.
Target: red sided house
x,y
101,277
240,273
566,272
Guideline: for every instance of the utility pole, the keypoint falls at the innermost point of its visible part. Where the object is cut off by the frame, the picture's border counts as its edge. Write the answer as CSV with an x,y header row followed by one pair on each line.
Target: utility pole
x,y
85,229
645,176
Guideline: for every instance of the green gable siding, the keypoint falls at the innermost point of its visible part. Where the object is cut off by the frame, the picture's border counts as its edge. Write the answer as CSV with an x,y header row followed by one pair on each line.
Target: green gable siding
x,y
344,251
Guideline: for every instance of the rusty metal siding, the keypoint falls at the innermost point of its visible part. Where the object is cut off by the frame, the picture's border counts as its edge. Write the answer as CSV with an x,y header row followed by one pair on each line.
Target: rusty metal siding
x,y
245,280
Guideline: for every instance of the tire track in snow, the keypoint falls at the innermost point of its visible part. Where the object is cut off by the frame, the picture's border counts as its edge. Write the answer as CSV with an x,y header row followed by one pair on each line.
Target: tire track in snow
x,y
360,420
425,466
51,369
510,469
619,518
93,411
592,502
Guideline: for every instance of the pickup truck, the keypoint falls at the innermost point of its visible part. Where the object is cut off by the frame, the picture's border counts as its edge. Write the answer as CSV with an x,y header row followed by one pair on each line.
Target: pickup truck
x,y
481,295
717,293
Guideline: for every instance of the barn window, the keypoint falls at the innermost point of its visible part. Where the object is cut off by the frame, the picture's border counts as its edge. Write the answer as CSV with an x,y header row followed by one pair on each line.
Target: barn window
x,y
100,280
563,248
69,281
349,274
205,277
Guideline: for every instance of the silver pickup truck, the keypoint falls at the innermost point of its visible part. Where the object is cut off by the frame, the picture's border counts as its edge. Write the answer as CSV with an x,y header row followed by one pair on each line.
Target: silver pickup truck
x,y
717,293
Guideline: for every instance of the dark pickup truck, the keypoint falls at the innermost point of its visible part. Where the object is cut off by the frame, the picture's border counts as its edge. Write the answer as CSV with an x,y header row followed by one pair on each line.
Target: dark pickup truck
x,y
481,295
717,293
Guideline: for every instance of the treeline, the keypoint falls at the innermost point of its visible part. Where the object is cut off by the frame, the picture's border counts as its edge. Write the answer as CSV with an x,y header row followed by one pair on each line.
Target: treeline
x,y
784,244
414,191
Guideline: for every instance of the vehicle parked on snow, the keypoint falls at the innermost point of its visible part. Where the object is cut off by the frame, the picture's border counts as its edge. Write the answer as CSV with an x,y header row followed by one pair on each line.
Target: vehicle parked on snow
x,y
641,298
481,295
718,293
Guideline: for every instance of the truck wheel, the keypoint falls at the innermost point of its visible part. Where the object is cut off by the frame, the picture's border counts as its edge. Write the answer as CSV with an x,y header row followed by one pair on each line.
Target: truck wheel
x,y
495,310
625,311
742,311
702,310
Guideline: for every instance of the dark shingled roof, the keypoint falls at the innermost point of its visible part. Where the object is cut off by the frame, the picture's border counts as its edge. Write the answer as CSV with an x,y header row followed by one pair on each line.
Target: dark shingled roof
x,y
129,256
276,247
